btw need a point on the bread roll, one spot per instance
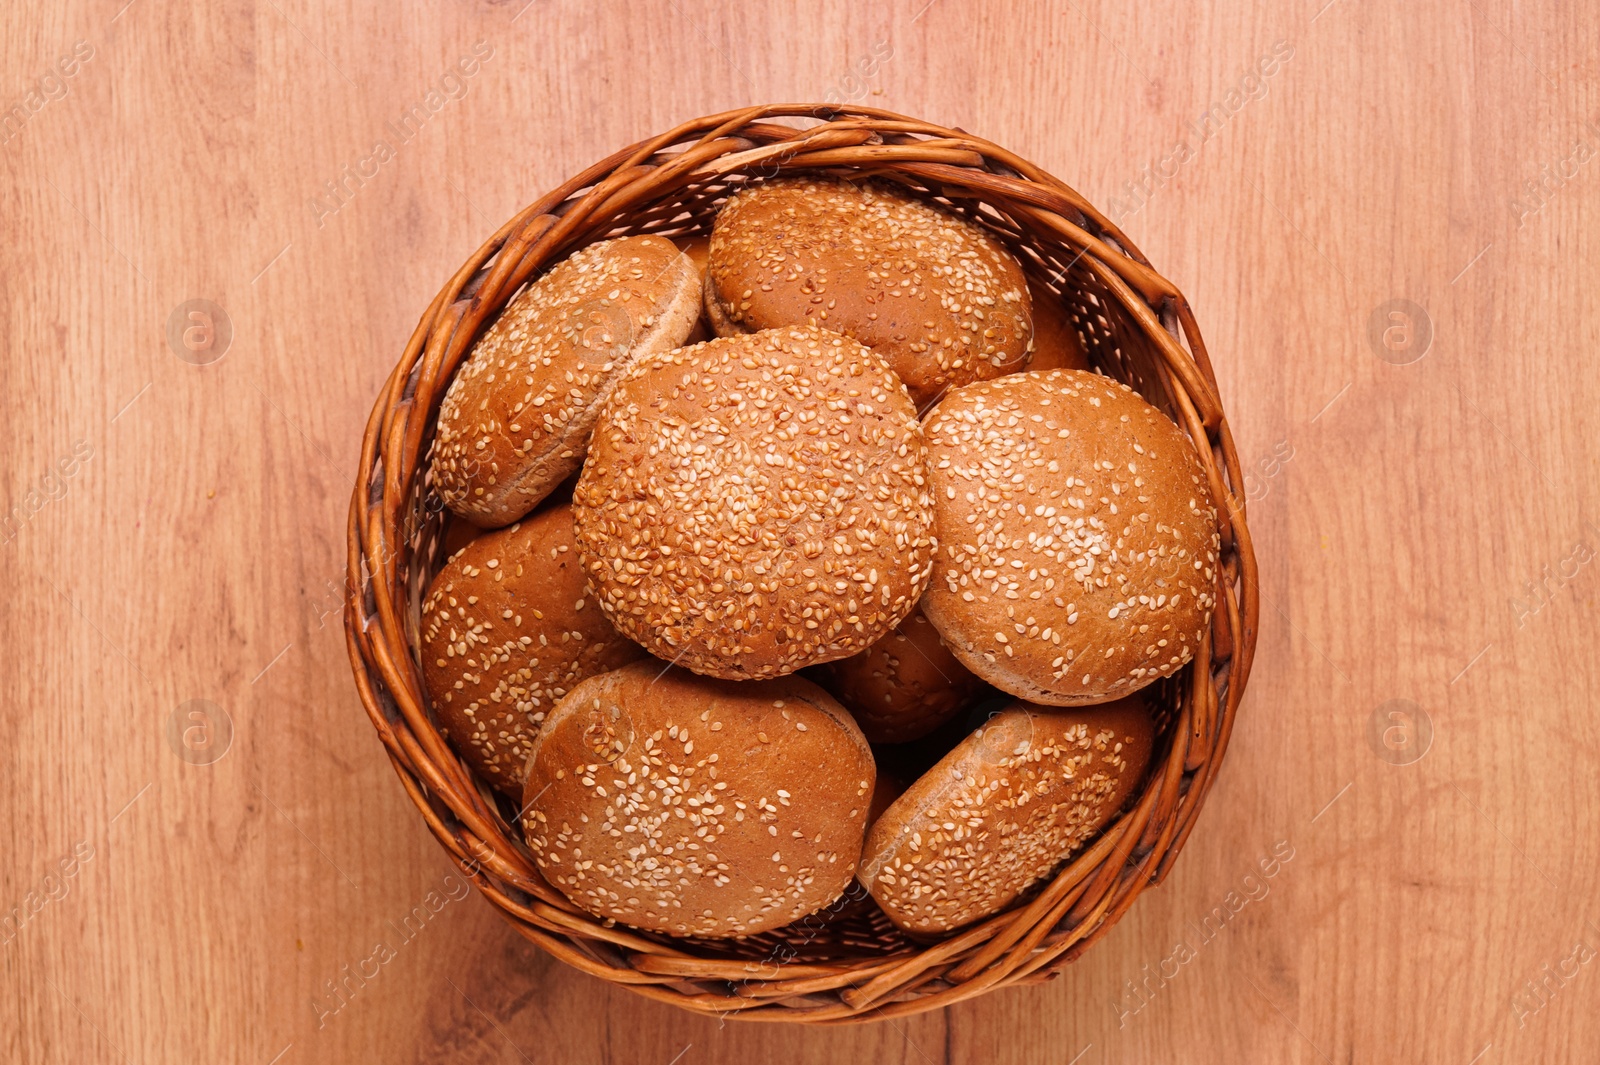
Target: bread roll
(938, 296)
(516, 419)
(904, 686)
(911, 759)
(698, 807)
(1077, 555)
(458, 534)
(507, 630)
(1056, 343)
(885, 791)
(1003, 811)
(697, 249)
(756, 504)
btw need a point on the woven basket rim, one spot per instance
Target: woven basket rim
(1137, 325)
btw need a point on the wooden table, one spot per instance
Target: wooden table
(1378, 211)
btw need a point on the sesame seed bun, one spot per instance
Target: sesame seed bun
(1056, 343)
(1077, 537)
(1003, 811)
(756, 504)
(516, 419)
(885, 791)
(458, 534)
(698, 807)
(507, 630)
(910, 760)
(938, 296)
(904, 686)
(697, 249)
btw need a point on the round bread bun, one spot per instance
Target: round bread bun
(887, 789)
(1056, 343)
(756, 504)
(910, 760)
(1003, 811)
(937, 296)
(698, 807)
(458, 533)
(507, 630)
(1077, 555)
(697, 248)
(517, 417)
(904, 686)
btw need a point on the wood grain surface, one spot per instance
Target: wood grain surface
(1382, 213)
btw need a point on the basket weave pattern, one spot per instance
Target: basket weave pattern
(847, 963)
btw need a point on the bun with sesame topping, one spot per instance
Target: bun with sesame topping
(1056, 343)
(1003, 811)
(904, 686)
(1077, 537)
(507, 630)
(885, 791)
(517, 417)
(937, 296)
(756, 504)
(697, 248)
(697, 807)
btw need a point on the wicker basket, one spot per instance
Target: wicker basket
(847, 963)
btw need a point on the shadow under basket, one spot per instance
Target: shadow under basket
(847, 963)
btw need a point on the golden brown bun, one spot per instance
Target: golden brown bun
(698, 807)
(713, 315)
(458, 533)
(1056, 343)
(904, 686)
(1077, 537)
(507, 630)
(1003, 811)
(887, 789)
(697, 249)
(937, 296)
(517, 417)
(910, 760)
(756, 504)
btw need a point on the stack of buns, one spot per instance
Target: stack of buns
(844, 480)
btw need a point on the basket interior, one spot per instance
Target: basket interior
(1115, 346)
